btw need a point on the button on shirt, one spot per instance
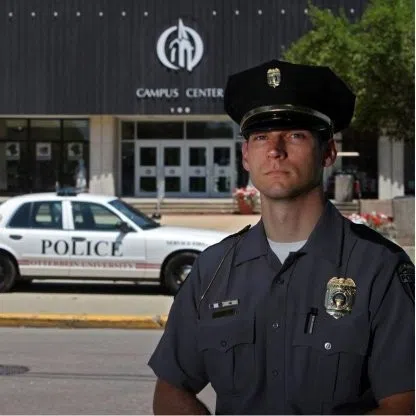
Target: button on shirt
(260, 359)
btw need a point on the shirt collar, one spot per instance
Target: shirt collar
(253, 245)
(325, 241)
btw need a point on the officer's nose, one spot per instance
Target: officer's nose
(277, 148)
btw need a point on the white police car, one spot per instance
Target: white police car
(84, 236)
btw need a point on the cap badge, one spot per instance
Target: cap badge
(273, 77)
(340, 296)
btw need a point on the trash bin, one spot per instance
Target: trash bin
(344, 187)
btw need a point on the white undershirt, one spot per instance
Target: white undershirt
(282, 250)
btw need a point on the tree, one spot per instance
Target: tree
(374, 55)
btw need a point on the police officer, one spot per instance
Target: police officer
(306, 312)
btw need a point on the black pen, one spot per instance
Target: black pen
(310, 320)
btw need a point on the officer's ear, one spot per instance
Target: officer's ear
(329, 153)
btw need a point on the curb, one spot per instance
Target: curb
(63, 320)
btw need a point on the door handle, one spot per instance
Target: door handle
(78, 238)
(15, 236)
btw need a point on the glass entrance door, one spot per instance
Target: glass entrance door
(222, 176)
(146, 171)
(209, 168)
(172, 164)
(196, 168)
(159, 164)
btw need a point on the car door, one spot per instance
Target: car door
(99, 248)
(37, 234)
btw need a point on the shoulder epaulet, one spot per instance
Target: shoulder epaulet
(406, 273)
(238, 233)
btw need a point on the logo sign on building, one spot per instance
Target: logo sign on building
(180, 47)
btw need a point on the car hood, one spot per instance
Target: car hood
(186, 235)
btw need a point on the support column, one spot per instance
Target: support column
(102, 155)
(329, 171)
(384, 167)
(390, 167)
(397, 186)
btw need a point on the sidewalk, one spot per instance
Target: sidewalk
(121, 307)
(222, 222)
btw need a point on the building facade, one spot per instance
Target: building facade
(132, 90)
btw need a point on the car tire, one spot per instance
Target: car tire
(8, 273)
(177, 269)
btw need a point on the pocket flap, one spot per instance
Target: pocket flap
(225, 333)
(332, 343)
(336, 336)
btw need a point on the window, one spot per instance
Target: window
(160, 130)
(76, 130)
(133, 214)
(127, 168)
(94, 217)
(13, 129)
(20, 218)
(127, 130)
(209, 130)
(46, 215)
(45, 129)
(38, 154)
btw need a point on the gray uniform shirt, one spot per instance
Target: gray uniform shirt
(262, 359)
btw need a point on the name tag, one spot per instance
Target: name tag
(224, 304)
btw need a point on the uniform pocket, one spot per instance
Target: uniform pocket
(328, 364)
(228, 348)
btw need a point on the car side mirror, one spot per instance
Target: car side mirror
(156, 216)
(124, 227)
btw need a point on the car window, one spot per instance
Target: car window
(133, 214)
(20, 218)
(94, 217)
(47, 215)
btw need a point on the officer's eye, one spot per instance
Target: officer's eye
(296, 135)
(259, 137)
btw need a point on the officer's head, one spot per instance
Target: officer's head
(279, 94)
(277, 97)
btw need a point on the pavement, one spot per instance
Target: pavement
(113, 307)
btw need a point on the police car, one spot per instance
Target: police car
(69, 235)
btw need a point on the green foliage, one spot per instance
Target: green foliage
(374, 55)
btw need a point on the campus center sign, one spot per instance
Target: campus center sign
(180, 47)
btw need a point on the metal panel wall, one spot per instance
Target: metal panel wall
(90, 56)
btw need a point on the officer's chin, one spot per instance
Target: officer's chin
(285, 194)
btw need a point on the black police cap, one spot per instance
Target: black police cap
(280, 94)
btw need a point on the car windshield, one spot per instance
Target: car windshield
(133, 214)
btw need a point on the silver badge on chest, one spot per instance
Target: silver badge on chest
(340, 296)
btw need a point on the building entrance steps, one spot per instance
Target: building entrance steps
(210, 205)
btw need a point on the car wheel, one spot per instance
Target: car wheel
(177, 269)
(8, 273)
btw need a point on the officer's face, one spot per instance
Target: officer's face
(284, 164)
